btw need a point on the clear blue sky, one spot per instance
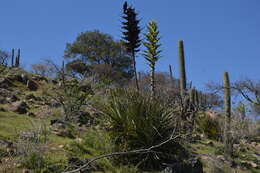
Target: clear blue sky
(219, 35)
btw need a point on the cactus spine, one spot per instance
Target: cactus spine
(182, 69)
(227, 105)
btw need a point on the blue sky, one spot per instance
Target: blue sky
(218, 35)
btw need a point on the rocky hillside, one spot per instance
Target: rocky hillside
(34, 137)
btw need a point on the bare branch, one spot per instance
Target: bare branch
(139, 151)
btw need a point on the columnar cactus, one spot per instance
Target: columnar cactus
(12, 63)
(182, 69)
(17, 59)
(227, 105)
(171, 75)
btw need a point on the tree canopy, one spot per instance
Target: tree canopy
(94, 49)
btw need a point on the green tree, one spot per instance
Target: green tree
(152, 54)
(131, 35)
(93, 48)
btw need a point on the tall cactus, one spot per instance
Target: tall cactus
(182, 69)
(227, 105)
(12, 62)
(171, 75)
(18, 57)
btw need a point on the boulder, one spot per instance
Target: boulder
(18, 107)
(5, 93)
(193, 165)
(30, 114)
(39, 78)
(4, 83)
(210, 143)
(2, 100)
(12, 98)
(5, 143)
(31, 85)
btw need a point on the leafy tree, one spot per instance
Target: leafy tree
(131, 34)
(152, 54)
(93, 48)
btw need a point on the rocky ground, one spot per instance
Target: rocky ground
(24, 111)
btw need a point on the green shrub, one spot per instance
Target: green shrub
(96, 143)
(134, 121)
(209, 126)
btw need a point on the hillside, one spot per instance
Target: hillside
(35, 138)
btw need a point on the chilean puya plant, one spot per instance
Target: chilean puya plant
(182, 69)
(131, 35)
(152, 54)
(227, 105)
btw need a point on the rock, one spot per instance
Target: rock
(75, 161)
(59, 128)
(85, 88)
(193, 165)
(221, 157)
(30, 114)
(5, 143)
(5, 93)
(5, 83)
(3, 100)
(62, 133)
(26, 171)
(2, 109)
(30, 96)
(210, 143)
(61, 146)
(79, 140)
(196, 137)
(31, 85)
(43, 112)
(249, 164)
(58, 123)
(13, 98)
(27, 135)
(24, 78)
(18, 107)
(39, 78)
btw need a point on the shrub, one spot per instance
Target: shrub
(209, 126)
(96, 143)
(134, 121)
